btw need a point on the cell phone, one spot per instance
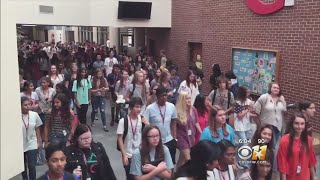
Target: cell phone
(155, 163)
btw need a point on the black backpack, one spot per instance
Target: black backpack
(214, 97)
(125, 131)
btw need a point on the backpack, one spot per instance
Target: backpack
(133, 88)
(214, 97)
(125, 131)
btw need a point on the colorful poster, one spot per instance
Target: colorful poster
(255, 69)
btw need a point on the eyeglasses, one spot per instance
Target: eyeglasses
(154, 137)
(85, 139)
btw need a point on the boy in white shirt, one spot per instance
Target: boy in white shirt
(130, 133)
(109, 62)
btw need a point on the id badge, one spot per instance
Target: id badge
(189, 132)
(298, 169)
(64, 132)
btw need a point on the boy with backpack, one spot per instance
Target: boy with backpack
(224, 98)
(130, 133)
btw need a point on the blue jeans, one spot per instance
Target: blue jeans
(98, 102)
(244, 134)
(276, 138)
(30, 160)
(59, 139)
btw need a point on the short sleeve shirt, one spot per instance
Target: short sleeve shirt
(207, 135)
(82, 91)
(34, 97)
(122, 91)
(45, 100)
(221, 99)
(132, 140)
(154, 114)
(136, 165)
(29, 136)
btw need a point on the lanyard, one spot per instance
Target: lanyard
(135, 129)
(222, 176)
(163, 116)
(26, 125)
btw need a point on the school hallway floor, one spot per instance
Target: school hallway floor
(108, 139)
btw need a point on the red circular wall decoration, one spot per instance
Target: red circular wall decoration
(265, 8)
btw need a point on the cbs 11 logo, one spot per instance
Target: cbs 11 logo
(255, 153)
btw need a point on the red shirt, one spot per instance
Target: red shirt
(203, 122)
(288, 165)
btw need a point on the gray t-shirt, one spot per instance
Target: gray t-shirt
(122, 91)
(98, 64)
(137, 92)
(136, 165)
(221, 99)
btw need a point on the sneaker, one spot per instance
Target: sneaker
(105, 129)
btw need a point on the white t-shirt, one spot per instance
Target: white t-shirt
(108, 63)
(130, 143)
(57, 80)
(45, 100)
(29, 136)
(33, 98)
(244, 123)
(209, 177)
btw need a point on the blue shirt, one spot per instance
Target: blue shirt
(207, 135)
(154, 116)
(136, 166)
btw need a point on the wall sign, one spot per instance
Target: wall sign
(259, 7)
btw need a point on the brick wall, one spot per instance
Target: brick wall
(221, 25)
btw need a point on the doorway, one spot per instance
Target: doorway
(195, 50)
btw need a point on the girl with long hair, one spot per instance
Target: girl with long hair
(226, 169)
(31, 137)
(263, 136)
(121, 89)
(72, 76)
(27, 91)
(204, 158)
(260, 171)
(88, 159)
(187, 125)
(156, 79)
(153, 160)
(164, 81)
(202, 105)
(81, 89)
(190, 85)
(138, 88)
(242, 110)
(61, 88)
(296, 158)
(54, 76)
(271, 107)
(98, 93)
(308, 109)
(218, 128)
(45, 94)
(59, 124)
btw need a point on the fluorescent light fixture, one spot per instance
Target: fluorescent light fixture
(28, 25)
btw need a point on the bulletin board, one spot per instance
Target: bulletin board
(255, 68)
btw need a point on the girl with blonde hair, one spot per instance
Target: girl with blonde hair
(187, 125)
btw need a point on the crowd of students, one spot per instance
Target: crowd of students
(157, 112)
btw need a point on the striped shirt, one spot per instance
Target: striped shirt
(57, 125)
